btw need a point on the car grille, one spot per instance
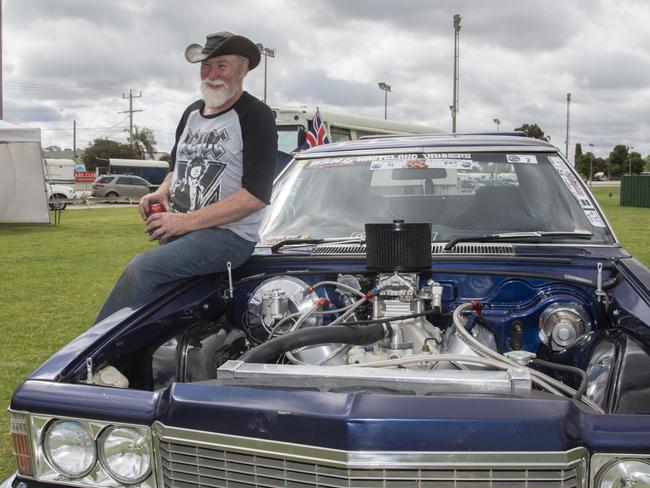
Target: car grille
(462, 248)
(189, 464)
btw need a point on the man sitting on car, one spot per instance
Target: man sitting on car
(233, 135)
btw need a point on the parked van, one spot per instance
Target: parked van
(59, 171)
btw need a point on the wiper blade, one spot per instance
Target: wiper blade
(507, 236)
(288, 242)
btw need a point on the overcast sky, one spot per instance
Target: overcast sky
(66, 60)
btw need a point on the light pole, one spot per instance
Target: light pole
(629, 155)
(385, 88)
(454, 107)
(266, 52)
(568, 102)
(591, 164)
(497, 122)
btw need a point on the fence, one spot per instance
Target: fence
(635, 191)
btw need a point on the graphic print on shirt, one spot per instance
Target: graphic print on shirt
(199, 169)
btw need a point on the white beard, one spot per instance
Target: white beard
(216, 98)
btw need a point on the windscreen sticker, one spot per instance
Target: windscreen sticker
(420, 161)
(521, 158)
(594, 218)
(576, 189)
(329, 162)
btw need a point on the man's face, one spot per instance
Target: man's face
(221, 79)
(195, 172)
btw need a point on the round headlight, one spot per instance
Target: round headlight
(125, 454)
(70, 448)
(624, 473)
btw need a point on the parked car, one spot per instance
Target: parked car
(388, 331)
(124, 186)
(59, 195)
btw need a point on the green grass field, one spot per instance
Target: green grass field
(53, 280)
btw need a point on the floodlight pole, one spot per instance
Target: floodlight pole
(629, 158)
(497, 122)
(266, 52)
(568, 102)
(454, 107)
(385, 88)
(591, 164)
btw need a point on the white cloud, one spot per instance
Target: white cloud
(74, 59)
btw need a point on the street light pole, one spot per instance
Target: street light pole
(266, 52)
(497, 122)
(454, 107)
(385, 88)
(568, 102)
(629, 155)
(591, 164)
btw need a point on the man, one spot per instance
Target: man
(223, 163)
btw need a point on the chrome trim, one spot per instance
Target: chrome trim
(600, 459)
(284, 452)
(45, 472)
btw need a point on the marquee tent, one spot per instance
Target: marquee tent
(23, 196)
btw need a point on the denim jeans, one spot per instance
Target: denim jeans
(197, 253)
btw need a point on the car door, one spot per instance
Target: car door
(139, 187)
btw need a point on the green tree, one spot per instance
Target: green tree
(165, 157)
(578, 153)
(103, 149)
(534, 131)
(144, 141)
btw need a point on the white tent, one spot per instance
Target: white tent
(23, 196)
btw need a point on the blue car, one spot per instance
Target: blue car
(396, 327)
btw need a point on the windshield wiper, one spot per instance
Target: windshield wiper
(507, 236)
(288, 242)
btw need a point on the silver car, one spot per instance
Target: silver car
(120, 186)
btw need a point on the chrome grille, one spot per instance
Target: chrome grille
(461, 248)
(194, 463)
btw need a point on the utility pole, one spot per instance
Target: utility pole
(130, 112)
(74, 141)
(454, 107)
(566, 149)
(385, 88)
(497, 122)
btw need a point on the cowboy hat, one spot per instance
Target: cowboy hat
(224, 43)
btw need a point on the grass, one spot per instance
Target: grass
(53, 279)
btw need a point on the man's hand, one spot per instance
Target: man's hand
(150, 198)
(164, 225)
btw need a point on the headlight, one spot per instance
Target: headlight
(70, 448)
(624, 473)
(125, 454)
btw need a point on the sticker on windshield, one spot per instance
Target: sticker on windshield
(521, 158)
(420, 161)
(577, 191)
(594, 218)
(329, 162)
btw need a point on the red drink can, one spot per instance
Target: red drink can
(156, 208)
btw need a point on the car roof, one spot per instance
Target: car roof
(427, 142)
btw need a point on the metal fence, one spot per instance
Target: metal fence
(635, 191)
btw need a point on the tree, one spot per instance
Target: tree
(106, 148)
(533, 130)
(578, 153)
(144, 141)
(165, 157)
(618, 160)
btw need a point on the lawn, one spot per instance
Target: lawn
(55, 278)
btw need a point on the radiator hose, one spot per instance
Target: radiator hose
(311, 336)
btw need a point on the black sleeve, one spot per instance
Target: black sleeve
(181, 127)
(260, 138)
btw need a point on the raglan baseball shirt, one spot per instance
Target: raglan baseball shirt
(215, 155)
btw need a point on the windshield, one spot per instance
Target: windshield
(458, 193)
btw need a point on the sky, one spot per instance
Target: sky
(67, 60)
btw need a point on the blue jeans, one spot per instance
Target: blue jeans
(197, 253)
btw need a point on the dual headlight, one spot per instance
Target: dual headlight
(122, 451)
